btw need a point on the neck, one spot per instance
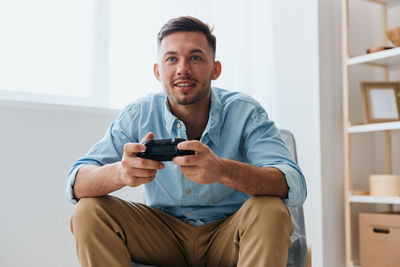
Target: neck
(194, 116)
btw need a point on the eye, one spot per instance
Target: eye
(195, 58)
(171, 59)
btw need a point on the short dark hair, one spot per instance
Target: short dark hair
(187, 24)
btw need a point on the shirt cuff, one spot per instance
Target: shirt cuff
(296, 183)
(69, 187)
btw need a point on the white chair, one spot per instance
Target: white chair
(299, 255)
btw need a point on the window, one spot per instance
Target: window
(133, 50)
(101, 52)
(46, 49)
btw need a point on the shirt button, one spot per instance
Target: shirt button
(188, 213)
(188, 191)
(178, 125)
(191, 222)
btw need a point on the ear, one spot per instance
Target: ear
(156, 72)
(216, 70)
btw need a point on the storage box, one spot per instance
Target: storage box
(379, 239)
(384, 185)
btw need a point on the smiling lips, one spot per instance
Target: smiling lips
(185, 85)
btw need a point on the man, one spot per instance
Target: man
(223, 206)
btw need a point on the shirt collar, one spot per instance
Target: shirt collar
(213, 127)
(169, 118)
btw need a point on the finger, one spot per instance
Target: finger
(145, 180)
(149, 136)
(193, 145)
(141, 163)
(132, 148)
(142, 173)
(136, 181)
(189, 160)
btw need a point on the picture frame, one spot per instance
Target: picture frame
(381, 101)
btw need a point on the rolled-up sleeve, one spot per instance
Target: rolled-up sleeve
(106, 151)
(69, 187)
(264, 147)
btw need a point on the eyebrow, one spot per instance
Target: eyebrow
(193, 51)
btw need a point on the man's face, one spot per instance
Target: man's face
(186, 67)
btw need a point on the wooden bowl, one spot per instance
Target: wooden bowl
(378, 49)
(394, 35)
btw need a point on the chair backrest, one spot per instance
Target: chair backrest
(298, 250)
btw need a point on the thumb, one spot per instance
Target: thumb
(149, 136)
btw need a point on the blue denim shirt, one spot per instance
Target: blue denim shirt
(238, 128)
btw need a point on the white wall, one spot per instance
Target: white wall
(296, 103)
(38, 145)
(332, 184)
(307, 101)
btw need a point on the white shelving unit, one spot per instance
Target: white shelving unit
(388, 57)
(375, 200)
(374, 127)
(386, 60)
(388, 3)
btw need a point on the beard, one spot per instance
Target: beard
(202, 92)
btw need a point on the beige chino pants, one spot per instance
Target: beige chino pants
(112, 232)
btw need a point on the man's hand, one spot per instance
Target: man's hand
(134, 171)
(207, 168)
(204, 167)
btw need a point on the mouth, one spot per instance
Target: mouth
(185, 85)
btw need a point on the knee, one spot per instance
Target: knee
(270, 212)
(266, 205)
(87, 213)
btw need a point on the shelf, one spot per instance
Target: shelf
(389, 3)
(374, 127)
(374, 199)
(388, 57)
(386, 61)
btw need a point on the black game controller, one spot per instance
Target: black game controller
(163, 150)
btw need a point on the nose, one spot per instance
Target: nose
(183, 68)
